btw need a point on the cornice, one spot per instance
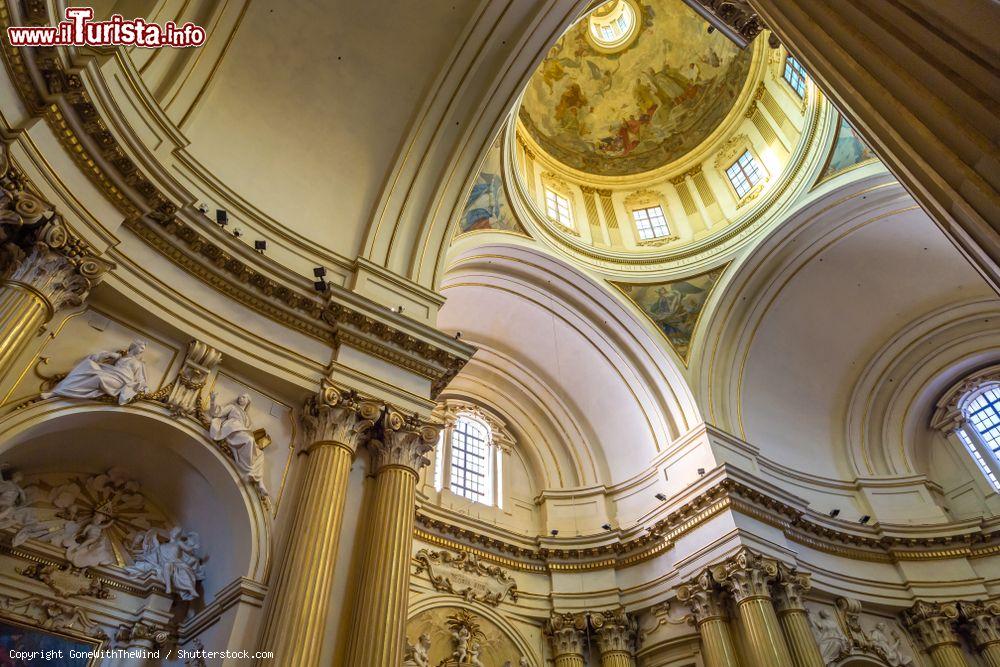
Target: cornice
(61, 98)
(970, 539)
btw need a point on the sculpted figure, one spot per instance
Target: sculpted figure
(231, 424)
(174, 563)
(120, 376)
(12, 499)
(474, 652)
(418, 655)
(523, 662)
(461, 637)
(888, 641)
(88, 545)
(832, 642)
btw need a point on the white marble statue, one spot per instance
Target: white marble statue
(88, 544)
(523, 662)
(889, 641)
(231, 424)
(832, 641)
(121, 376)
(174, 563)
(418, 655)
(12, 499)
(474, 650)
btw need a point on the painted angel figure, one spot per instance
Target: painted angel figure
(231, 424)
(174, 563)
(121, 376)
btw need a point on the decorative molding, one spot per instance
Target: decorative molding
(932, 624)
(51, 615)
(145, 634)
(337, 415)
(746, 575)
(950, 409)
(184, 396)
(67, 581)
(736, 19)
(730, 150)
(466, 575)
(402, 441)
(566, 633)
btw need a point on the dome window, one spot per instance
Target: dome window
(613, 25)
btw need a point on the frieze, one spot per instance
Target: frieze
(466, 575)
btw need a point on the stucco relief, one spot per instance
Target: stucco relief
(454, 636)
(638, 109)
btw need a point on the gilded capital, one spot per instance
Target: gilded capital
(615, 630)
(746, 575)
(788, 588)
(339, 416)
(703, 597)
(567, 633)
(981, 620)
(932, 624)
(403, 440)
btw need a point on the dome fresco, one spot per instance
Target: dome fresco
(624, 113)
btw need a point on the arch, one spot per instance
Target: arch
(58, 435)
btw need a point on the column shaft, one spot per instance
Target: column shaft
(801, 641)
(766, 643)
(569, 660)
(296, 621)
(948, 655)
(717, 643)
(991, 655)
(380, 609)
(22, 311)
(617, 659)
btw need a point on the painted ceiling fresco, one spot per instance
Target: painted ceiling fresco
(630, 112)
(848, 151)
(675, 306)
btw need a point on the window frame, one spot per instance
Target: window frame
(558, 196)
(798, 73)
(759, 169)
(498, 443)
(644, 209)
(984, 453)
(952, 418)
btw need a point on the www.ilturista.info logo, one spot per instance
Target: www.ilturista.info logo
(80, 30)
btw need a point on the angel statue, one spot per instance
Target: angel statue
(418, 655)
(474, 650)
(174, 563)
(889, 642)
(12, 498)
(121, 376)
(231, 424)
(832, 641)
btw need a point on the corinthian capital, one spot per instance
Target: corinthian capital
(703, 597)
(567, 633)
(788, 588)
(339, 416)
(404, 441)
(616, 631)
(932, 623)
(981, 620)
(746, 575)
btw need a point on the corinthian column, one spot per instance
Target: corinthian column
(42, 270)
(704, 598)
(932, 626)
(746, 576)
(334, 422)
(566, 633)
(616, 636)
(981, 620)
(397, 455)
(794, 619)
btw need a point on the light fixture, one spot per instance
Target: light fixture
(554, 532)
(864, 519)
(221, 217)
(260, 246)
(606, 526)
(237, 232)
(701, 471)
(660, 497)
(319, 284)
(834, 513)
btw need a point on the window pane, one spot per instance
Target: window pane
(470, 459)
(650, 223)
(557, 209)
(744, 174)
(978, 458)
(795, 75)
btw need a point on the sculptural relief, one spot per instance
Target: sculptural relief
(230, 424)
(119, 375)
(418, 655)
(888, 642)
(174, 563)
(833, 643)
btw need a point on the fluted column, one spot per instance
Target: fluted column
(705, 600)
(397, 455)
(567, 634)
(334, 422)
(787, 592)
(43, 269)
(746, 576)
(981, 622)
(932, 626)
(616, 637)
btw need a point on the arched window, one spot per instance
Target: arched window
(469, 459)
(971, 410)
(795, 75)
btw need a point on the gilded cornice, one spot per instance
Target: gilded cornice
(728, 494)
(61, 97)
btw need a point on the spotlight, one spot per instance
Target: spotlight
(319, 285)
(221, 217)
(660, 497)
(397, 309)
(606, 526)
(319, 272)
(260, 246)
(701, 471)
(237, 232)
(834, 513)
(864, 519)
(203, 207)
(458, 335)
(554, 532)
